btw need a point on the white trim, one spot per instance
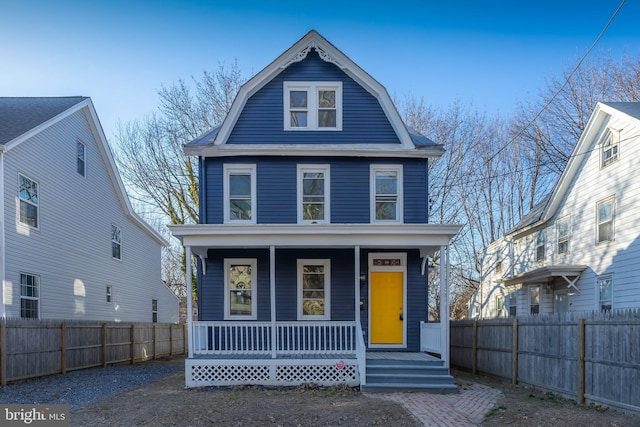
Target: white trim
(326, 263)
(253, 263)
(3, 311)
(398, 170)
(402, 268)
(325, 169)
(20, 199)
(228, 170)
(612, 200)
(608, 136)
(312, 108)
(188, 280)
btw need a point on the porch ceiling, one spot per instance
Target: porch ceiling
(544, 274)
(426, 237)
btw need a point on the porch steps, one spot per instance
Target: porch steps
(389, 375)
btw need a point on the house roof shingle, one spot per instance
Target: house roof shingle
(20, 115)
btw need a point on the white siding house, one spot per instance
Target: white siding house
(578, 250)
(71, 246)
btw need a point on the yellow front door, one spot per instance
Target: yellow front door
(386, 307)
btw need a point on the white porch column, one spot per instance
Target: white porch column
(272, 291)
(356, 262)
(444, 304)
(188, 281)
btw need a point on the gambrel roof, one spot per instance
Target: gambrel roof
(21, 118)
(412, 144)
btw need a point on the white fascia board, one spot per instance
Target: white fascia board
(313, 39)
(316, 150)
(114, 174)
(315, 235)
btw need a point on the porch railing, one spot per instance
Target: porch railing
(430, 337)
(257, 339)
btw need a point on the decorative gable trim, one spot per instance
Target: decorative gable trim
(297, 53)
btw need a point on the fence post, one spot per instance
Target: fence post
(474, 349)
(514, 379)
(104, 345)
(170, 340)
(3, 353)
(133, 343)
(155, 342)
(63, 348)
(581, 354)
(185, 335)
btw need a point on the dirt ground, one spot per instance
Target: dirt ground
(166, 403)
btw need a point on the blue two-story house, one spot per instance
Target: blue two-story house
(313, 241)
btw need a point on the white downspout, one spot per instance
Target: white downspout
(3, 309)
(188, 281)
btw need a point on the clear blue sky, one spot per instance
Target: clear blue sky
(120, 52)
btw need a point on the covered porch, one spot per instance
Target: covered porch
(325, 352)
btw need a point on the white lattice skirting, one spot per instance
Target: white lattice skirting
(272, 372)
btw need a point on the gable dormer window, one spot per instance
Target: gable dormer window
(313, 105)
(609, 150)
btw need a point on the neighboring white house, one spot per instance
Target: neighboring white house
(71, 246)
(579, 249)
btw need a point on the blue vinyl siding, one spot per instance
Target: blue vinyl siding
(350, 177)
(262, 118)
(211, 290)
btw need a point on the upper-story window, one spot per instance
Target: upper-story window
(240, 193)
(29, 204)
(313, 105)
(609, 148)
(541, 242)
(386, 197)
(116, 242)
(240, 280)
(499, 259)
(313, 194)
(563, 227)
(604, 220)
(80, 157)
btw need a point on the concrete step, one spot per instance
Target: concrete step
(408, 369)
(415, 379)
(402, 387)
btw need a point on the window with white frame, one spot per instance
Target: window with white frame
(29, 201)
(314, 289)
(116, 242)
(80, 157)
(513, 303)
(609, 148)
(499, 259)
(605, 292)
(109, 295)
(29, 296)
(240, 193)
(604, 220)
(563, 229)
(313, 105)
(313, 194)
(386, 196)
(240, 280)
(541, 242)
(534, 299)
(154, 310)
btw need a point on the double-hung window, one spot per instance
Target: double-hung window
(605, 284)
(386, 193)
(29, 296)
(314, 289)
(541, 242)
(313, 105)
(499, 259)
(154, 310)
(116, 242)
(609, 149)
(80, 157)
(240, 193)
(562, 226)
(29, 201)
(604, 220)
(313, 194)
(534, 299)
(240, 297)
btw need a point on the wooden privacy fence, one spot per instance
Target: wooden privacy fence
(32, 348)
(587, 356)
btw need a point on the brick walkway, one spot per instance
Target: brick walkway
(465, 408)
